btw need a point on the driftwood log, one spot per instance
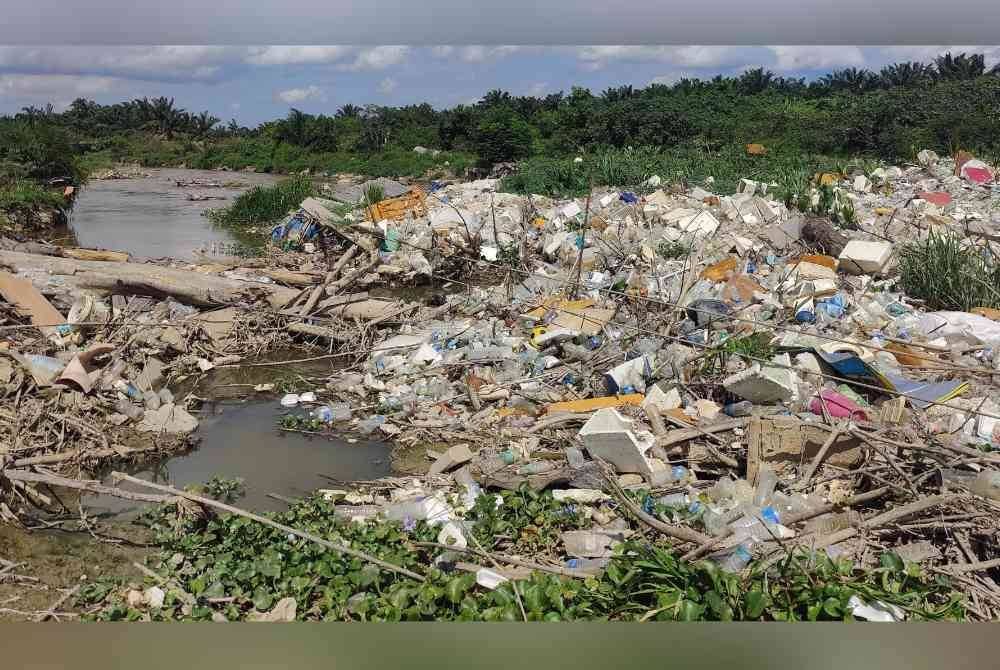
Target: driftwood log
(144, 279)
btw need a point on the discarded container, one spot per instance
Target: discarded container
(837, 405)
(737, 560)
(737, 409)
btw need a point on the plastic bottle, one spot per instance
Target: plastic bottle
(737, 560)
(736, 409)
(128, 389)
(678, 500)
(756, 527)
(766, 481)
(588, 565)
(339, 411)
(323, 413)
(369, 425)
(536, 468)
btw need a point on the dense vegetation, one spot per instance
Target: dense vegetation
(692, 129)
(232, 566)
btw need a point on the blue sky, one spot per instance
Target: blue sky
(256, 83)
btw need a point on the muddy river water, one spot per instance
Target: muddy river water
(152, 217)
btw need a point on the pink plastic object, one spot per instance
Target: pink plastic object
(939, 198)
(837, 405)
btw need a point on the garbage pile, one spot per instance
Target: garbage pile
(758, 371)
(720, 369)
(92, 347)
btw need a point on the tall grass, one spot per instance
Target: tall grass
(628, 168)
(948, 273)
(264, 204)
(25, 194)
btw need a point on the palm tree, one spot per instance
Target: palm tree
(906, 74)
(293, 128)
(615, 94)
(168, 118)
(850, 79)
(203, 123)
(961, 66)
(756, 80)
(349, 111)
(494, 98)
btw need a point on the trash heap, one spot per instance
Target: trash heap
(723, 374)
(93, 348)
(757, 373)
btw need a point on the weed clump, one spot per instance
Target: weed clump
(947, 273)
(263, 204)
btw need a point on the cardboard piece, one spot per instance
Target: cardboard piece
(28, 301)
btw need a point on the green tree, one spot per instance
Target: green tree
(502, 136)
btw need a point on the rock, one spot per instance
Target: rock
(927, 157)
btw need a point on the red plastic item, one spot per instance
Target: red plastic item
(837, 405)
(939, 198)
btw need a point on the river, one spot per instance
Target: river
(152, 217)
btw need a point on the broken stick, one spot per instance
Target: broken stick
(208, 502)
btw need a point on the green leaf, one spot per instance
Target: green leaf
(892, 561)
(689, 611)
(262, 599)
(216, 590)
(455, 589)
(832, 607)
(197, 585)
(756, 601)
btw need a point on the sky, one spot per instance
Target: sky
(256, 83)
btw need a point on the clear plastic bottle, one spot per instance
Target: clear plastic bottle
(757, 527)
(587, 565)
(739, 559)
(678, 500)
(766, 481)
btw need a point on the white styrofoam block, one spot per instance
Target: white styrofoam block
(609, 436)
(861, 257)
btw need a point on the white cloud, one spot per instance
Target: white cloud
(45, 86)
(538, 89)
(296, 55)
(146, 62)
(816, 57)
(379, 58)
(296, 95)
(927, 53)
(387, 85)
(597, 57)
(476, 53)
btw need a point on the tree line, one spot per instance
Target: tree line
(954, 100)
